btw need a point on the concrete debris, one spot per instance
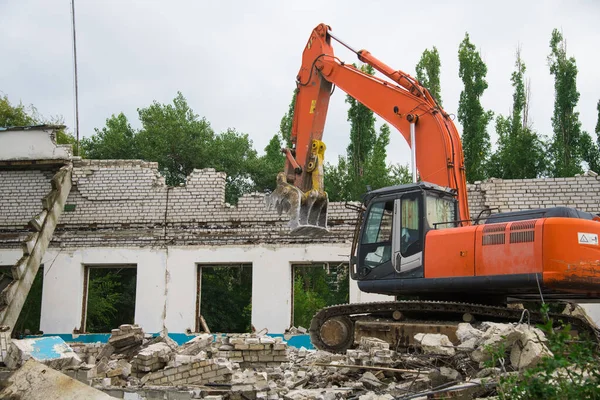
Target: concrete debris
(152, 358)
(197, 344)
(261, 367)
(529, 348)
(35, 381)
(126, 338)
(370, 381)
(435, 343)
(50, 350)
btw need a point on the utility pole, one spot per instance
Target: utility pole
(75, 77)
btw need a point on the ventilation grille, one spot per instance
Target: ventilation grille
(523, 225)
(494, 228)
(522, 237)
(496, 238)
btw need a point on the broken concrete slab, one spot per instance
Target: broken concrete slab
(529, 349)
(35, 381)
(50, 350)
(435, 343)
(370, 381)
(466, 332)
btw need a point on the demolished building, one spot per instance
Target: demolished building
(121, 214)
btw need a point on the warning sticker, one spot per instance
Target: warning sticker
(587, 238)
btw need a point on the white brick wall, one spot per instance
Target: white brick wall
(127, 203)
(20, 195)
(581, 192)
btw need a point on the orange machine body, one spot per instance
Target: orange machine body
(562, 254)
(526, 258)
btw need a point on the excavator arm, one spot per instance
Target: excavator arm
(401, 101)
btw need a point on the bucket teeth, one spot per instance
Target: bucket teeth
(307, 211)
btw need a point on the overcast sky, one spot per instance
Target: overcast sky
(236, 61)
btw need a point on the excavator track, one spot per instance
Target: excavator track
(344, 316)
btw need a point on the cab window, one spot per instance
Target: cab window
(410, 241)
(377, 235)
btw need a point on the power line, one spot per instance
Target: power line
(75, 77)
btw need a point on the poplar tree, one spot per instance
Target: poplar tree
(567, 142)
(520, 153)
(592, 155)
(428, 73)
(472, 116)
(362, 132)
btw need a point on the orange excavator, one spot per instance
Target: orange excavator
(418, 241)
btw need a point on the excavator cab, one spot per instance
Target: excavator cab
(390, 241)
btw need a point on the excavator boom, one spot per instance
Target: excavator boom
(399, 99)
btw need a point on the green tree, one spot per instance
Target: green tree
(175, 137)
(268, 165)
(29, 319)
(116, 140)
(179, 140)
(17, 115)
(362, 133)
(111, 298)
(566, 148)
(472, 116)
(591, 150)
(226, 298)
(520, 153)
(285, 126)
(232, 152)
(378, 173)
(317, 286)
(428, 73)
(598, 124)
(337, 181)
(342, 185)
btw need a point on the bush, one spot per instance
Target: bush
(572, 373)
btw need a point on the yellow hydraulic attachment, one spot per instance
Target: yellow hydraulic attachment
(307, 211)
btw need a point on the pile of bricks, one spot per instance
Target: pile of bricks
(252, 351)
(197, 373)
(152, 358)
(88, 351)
(371, 351)
(126, 337)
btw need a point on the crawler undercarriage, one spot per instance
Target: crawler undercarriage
(337, 328)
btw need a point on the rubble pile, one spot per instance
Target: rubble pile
(254, 352)
(257, 366)
(87, 351)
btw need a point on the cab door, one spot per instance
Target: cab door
(408, 236)
(374, 254)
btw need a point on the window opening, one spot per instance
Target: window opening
(224, 298)
(316, 286)
(28, 322)
(109, 297)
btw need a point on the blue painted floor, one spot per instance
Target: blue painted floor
(296, 341)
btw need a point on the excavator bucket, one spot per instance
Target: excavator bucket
(307, 211)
